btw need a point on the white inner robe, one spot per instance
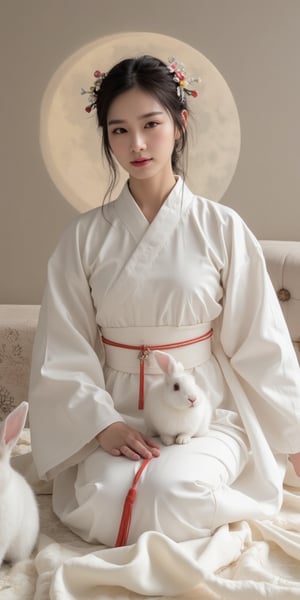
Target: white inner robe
(197, 262)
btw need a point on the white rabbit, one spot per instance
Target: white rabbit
(175, 407)
(19, 516)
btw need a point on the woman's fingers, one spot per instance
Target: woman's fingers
(155, 448)
(130, 453)
(116, 452)
(136, 451)
(119, 439)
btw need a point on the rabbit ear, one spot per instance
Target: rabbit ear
(13, 425)
(165, 362)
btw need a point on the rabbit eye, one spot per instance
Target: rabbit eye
(176, 387)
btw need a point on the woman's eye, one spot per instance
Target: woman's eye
(151, 124)
(176, 387)
(119, 130)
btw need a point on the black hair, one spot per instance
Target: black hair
(153, 76)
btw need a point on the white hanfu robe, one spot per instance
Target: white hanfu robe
(197, 262)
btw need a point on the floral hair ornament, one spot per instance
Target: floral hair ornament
(182, 81)
(179, 77)
(93, 91)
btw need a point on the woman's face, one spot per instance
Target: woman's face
(141, 134)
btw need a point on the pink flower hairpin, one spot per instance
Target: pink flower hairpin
(182, 81)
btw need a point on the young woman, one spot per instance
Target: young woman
(159, 266)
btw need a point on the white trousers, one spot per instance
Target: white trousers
(185, 493)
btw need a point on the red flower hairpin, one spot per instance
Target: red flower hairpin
(93, 91)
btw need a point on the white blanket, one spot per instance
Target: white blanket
(246, 561)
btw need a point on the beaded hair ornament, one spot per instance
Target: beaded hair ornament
(182, 81)
(175, 68)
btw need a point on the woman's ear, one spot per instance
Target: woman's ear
(184, 116)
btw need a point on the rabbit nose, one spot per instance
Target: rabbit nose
(191, 401)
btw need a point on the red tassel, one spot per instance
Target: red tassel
(126, 518)
(128, 506)
(144, 353)
(141, 393)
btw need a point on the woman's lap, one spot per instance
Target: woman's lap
(175, 495)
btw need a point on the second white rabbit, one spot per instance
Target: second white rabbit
(19, 516)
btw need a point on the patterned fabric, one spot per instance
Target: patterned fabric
(17, 329)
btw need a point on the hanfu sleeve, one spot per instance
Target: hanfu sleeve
(255, 337)
(67, 399)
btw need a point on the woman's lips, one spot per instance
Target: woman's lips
(141, 162)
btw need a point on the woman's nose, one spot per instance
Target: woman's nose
(138, 142)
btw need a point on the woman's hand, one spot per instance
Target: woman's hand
(120, 439)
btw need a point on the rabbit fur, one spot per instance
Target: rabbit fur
(19, 516)
(175, 407)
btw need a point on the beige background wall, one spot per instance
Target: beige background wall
(255, 44)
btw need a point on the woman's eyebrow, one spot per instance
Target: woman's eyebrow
(146, 116)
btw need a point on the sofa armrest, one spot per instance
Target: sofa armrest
(283, 264)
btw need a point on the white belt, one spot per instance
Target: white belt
(127, 360)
